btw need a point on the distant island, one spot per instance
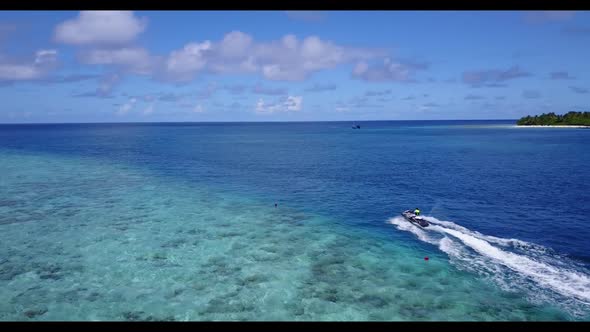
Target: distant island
(552, 119)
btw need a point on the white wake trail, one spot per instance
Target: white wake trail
(490, 255)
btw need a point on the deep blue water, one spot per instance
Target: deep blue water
(527, 184)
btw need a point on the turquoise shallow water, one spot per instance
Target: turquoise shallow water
(86, 237)
(109, 243)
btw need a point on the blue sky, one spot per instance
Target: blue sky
(110, 66)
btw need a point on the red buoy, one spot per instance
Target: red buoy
(425, 258)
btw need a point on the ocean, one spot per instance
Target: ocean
(294, 221)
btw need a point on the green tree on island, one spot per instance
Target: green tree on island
(552, 119)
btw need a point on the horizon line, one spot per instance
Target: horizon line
(300, 121)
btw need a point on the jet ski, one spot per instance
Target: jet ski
(411, 217)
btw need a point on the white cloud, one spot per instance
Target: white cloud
(128, 106)
(427, 107)
(260, 107)
(18, 72)
(283, 73)
(100, 27)
(290, 42)
(40, 66)
(183, 64)
(107, 35)
(149, 110)
(134, 59)
(493, 77)
(105, 86)
(294, 60)
(289, 104)
(235, 44)
(45, 56)
(198, 109)
(286, 59)
(360, 68)
(107, 83)
(388, 70)
(294, 103)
